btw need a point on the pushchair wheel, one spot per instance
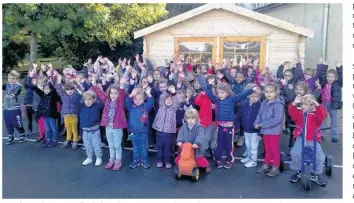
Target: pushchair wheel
(329, 165)
(195, 174)
(306, 177)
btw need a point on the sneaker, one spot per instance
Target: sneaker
(207, 154)
(241, 141)
(318, 180)
(10, 140)
(245, 160)
(295, 177)
(134, 164)
(208, 170)
(168, 166)
(66, 144)
(117, 166)
(109, 165)
(87, 162)
(250, 164)
(22, 139)
(39, 139)
(159, 165)
(263, 168)
(46, 143)
(219, 164)
(227, 165)
(146, 165)
(74, 146)
(98, 162)
(335, 139)
(245, 154)
(83, 148)
(273, 172)
(52, 144)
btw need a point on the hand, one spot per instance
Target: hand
(148, 91)
(211, 81)
(179, 144)
(285, 63)
(314, 102)
(321, 60)
(122, 81)
(59, 79)
(35, 66)
(338, 64)
(257, 89)
(93, 81)
(283, 81)
(172, 89)
(134, 92)
(257, 126)
(134, 74)
(297, 100)
(318, 85)
(43, 67)
(195, 146)
(50, 66)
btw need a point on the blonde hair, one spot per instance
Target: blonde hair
(224, 87)
(272, 86)
(140, 92)
(310, 71)
(191, 113)
(308, 99)
(303, 85)
(89, 94)
(14, 74)
(334, 72)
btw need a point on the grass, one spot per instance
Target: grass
(56, 62)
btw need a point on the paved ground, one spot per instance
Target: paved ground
(30, 171)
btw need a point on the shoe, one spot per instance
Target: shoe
(134, 164)
(159, 165)
(318, 180)
(117, 166)
(146, 165)
(227, 165)
(66, 144)
(29, 133)
(295, 177)
(208, 170)
(219, 164)
(241, 141)
(98, 162)
(52, 144)
(286, 131)
(245, 160)
(273, 172)
(168, 166)
(87, 162)
(250, 164)
(245, 154)
(74, 146)
(39, 139)
(22, 139)
(263, 168)
(109, 165)
(46, 143)
(335, 139)
(207, 154)
(83, 148)
(10, 140)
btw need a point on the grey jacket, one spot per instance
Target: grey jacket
(165, 120)
(194, 136)
(270, 117)
(11, 96)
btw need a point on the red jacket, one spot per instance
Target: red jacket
(313, 121)
(205, 112)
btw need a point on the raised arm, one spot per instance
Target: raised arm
(228, 77)
(339, 68)
(210, 94)
(100, 93)
(243, 95)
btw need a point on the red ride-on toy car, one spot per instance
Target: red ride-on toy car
(187, 164)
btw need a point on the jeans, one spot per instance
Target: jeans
(140, 152)
(333, 114)
(164, 142)
(51, 130)
(114, 138)
(252, 142)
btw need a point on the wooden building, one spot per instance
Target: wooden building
(224, 31)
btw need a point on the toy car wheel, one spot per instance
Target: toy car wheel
(329, 165)
(195, 174)
(178, 175)
(306, 177)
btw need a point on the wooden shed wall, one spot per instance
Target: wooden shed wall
(280, 44)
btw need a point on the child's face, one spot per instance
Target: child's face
(204, 70)
(189, 93)
(331, 78)
(255, 97)
(197, 85)
(181, 98)
(249, 71)
(12, 80)
(162, 87)
(219, 75)
(308, 75)
(46, 90)
(191, 121)
(299, 91)
(307, 106)
(69, 92)
(270, 94)
(156, 75)
(88, 101)
(288, 76)
(233, 72)
(138, 100)
(40, 83)
(222, 94)
(113, 94)
(239, 77)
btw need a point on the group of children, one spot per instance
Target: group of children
(167, 106)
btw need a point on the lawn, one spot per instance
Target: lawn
(56, 62)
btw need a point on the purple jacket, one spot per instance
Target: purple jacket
(270, 117)
(119, 120)
(165, 120)
(71, 103)
(312, 81)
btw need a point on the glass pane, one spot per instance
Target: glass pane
(198, 52)
(237, 52)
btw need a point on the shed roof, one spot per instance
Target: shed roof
(228, 7)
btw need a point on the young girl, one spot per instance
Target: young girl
(269, 120)
(165, 126)
(90, 117)
(315, 114)
(193, 132)
(113, 118)
(332, 82)
(225, 104)
(139, 124)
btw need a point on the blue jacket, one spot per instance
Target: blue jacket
(29, 92)
(270, 117)
(90, 116)
(237, 88)
(11, 96)
(249, 114)
(225, 109)
(138, 119)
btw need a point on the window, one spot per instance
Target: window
(238, 52)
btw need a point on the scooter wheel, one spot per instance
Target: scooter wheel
(195, 174)
(178, 175)
(306, 177)
(329, 165)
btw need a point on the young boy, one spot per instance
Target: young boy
(12, 111)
